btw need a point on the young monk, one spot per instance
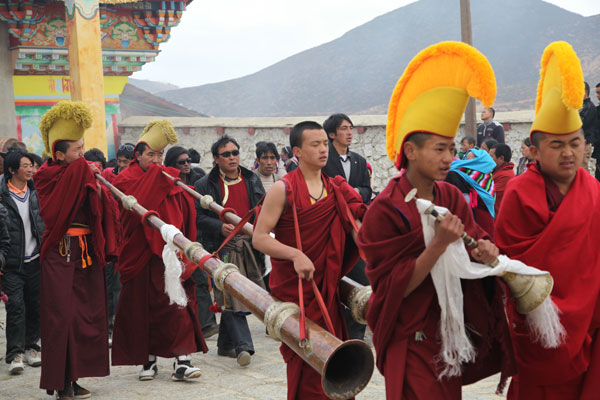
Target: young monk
(81, 220)
(550, 219)
(404, 314)
(146, 324)
(327, 254)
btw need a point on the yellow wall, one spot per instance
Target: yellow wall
(59, 85)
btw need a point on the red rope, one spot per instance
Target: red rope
(226, 210)
(236, 229)
(148, 214)
(355, 227)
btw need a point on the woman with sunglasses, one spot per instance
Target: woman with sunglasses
(180, 158)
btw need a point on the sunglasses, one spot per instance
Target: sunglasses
(127, 146)
(227, 154)
(183, 162)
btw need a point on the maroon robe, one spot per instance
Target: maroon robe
(324, 231)
(73, 315)
(145, 323)
(392, 239)
(559, 235)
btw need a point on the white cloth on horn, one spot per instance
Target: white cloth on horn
(173, 267)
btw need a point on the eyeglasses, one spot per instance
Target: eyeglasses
(227, 154)
(183, 162)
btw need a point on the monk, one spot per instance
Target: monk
(80, 237)
(146, 324)
(550, 219)
(404, 311)
(324, 226)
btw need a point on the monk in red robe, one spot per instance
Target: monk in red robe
(404, 312)
(550, 219)
(146, 324)
(327, 254)
(80, 237)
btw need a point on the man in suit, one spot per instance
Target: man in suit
(353, 167)
(342, 161)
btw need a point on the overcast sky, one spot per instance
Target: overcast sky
(226, 39)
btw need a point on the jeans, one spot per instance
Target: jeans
(234, 333)
(22, 309)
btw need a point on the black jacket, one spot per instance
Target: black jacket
(16, 253)
(359, 173)
(589, 120)
(208, 223)
(493, 130)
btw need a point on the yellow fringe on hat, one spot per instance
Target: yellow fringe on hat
(166, 128)
(68, 110)
(445, 64)
(573, 89)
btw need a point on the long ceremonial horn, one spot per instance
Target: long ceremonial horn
(529, 291)
(345, 367)
(354, 295)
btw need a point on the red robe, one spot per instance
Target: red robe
(501, 176)
(73, 315)
(324, 230)
(392, 238)
(145, 323)
(565, 243)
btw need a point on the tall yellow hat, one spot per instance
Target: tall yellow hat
(158, 134)
(67, 120)
(432, 94)
(560, 91)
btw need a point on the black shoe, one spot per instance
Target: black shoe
(80, 393)
(210, 330)
(226, 353)
(66, 393)
(183, 369)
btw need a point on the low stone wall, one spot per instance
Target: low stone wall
(369, 136)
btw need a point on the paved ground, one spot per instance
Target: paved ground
(221, 379)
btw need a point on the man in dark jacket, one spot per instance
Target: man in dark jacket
(353, 167)
(21, 279)
(341, 160)
(589, 119)
(236, 187)
(489, 128)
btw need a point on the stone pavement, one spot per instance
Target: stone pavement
(222, 378)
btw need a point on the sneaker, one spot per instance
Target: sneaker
(32, 358)
(210, 330)
(226, 353)
(183, 369)
(148, 371)
(243, 359)
(80, 393)
(16, 365)
(66, 393)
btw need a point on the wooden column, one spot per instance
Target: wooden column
(85, 63)
(467, 37)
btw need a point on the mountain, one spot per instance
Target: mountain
(357, 72)
(152, 86)
(137, 102)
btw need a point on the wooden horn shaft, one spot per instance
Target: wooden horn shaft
(322, 345)
(212, 205)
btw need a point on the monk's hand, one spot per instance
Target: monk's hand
(448, 231)
(486, 252)
(226, 229)
(94, 168)
(303, 266)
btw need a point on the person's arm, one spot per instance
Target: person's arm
(364, 183)
(262, 241)
(4, 237)
(499, 133)
(206, 221)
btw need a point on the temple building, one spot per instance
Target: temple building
(38, 68)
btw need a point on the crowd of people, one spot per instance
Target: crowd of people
(83, 273)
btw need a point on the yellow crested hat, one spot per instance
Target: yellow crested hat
(560, 91)
(158, 134)
(67, 120)
(432, 94)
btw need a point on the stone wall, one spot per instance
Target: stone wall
(369, 136)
